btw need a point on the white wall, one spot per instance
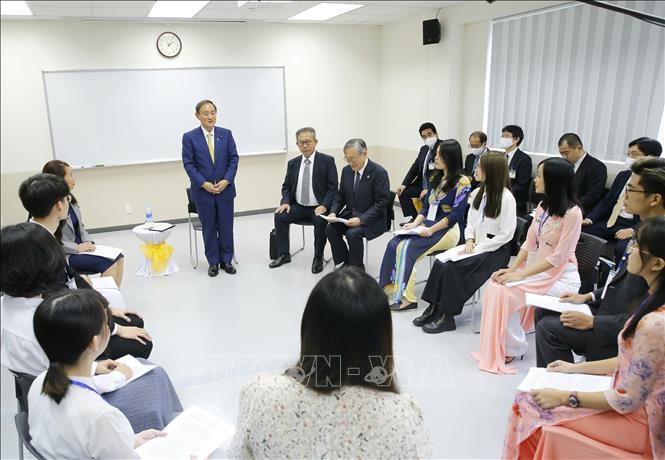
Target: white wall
(331, 84)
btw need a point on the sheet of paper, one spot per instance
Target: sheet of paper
(530, 279)
(455, 254)
(334, 219)
(552, 303)
(539, 377)
(103, 282)
(108, 252)
(412, 231)
(138, 368)
(194, 432)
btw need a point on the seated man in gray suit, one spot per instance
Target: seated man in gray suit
(307, 193)
(362, 199)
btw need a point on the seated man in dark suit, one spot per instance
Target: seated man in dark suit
(519, 165)
(307, 192)
(609, 220)
(595, 337)
(362, 199)
(478, 147)
(414, 184)
(590, 173)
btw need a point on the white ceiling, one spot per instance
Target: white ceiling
(374, 12)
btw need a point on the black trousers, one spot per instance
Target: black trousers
(299, 214)
(408, 209)
(451, 284)
(353, 255)
(119, 347)
(555, 341)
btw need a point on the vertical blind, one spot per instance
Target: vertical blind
(581, 69)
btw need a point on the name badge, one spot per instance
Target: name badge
(71, 283)
(430, 166)
(431, 214)
(512, 173)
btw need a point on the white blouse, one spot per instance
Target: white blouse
(83, 425)
(19, 349)
(281, 418)
(502, 227)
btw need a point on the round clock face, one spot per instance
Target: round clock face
(169, 44)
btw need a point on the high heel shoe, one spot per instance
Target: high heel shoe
(510, 359)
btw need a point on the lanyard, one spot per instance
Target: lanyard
(86, 386)
(624, 258)
(543, 218)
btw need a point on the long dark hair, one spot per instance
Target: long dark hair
(559, 175)
(32, 260)
(650, 237)
(58, 168)
(495, 169)
(65, 324)
(450, 153)
(346, 335)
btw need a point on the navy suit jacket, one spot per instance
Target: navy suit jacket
(603, 209)
(370, 201)
(199, 165)
(590, 180)
(521, 164)
(324, 179)
(415, 174)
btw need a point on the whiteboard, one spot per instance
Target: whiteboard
(120, 117)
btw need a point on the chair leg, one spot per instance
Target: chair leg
(302, 248)
(20, 448)
(196, 251)
(475, 299)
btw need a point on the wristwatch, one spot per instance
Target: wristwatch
(573, 401)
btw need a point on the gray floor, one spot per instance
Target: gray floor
(213, 334)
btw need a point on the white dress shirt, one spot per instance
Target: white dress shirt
(362, 171)
(579, 162)
(502, 227)
(312, 198)
(83, 425)
(20, 351)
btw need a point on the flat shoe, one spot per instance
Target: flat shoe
(398, 307)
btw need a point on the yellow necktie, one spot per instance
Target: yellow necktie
(211, 148)
(616, 210)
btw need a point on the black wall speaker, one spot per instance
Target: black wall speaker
(431, 31)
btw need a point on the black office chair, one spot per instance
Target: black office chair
(22, 384)
(195, 226)
(24, 439)
(587, 252)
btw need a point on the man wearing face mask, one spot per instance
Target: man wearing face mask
(609, 220)
(415, 182)
(519, 165)
(477, 148)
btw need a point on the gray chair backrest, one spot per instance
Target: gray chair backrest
(22, 384)
(21, 420)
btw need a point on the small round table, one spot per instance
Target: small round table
(156, 252)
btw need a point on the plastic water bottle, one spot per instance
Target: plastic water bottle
(148, 216)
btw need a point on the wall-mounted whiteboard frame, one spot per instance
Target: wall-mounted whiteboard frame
(115, 117)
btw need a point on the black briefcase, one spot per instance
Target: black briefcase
(273, 245)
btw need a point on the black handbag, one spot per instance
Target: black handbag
(273, 245)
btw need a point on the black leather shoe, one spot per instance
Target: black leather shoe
(398, 306)
(317, 265)
(279, 261)
(213, 270)
(228, 268)
(426, 317)
(443, 324)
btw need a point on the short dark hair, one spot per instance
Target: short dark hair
(648, 146)
(204, 102)
(514, 131)
(559, 175)
(39, 193)
(33, 262)
(427, 125)
(346, 325)
(450, 152)
(652, 175)
(480, 135)
(572, 139)
(64, 325)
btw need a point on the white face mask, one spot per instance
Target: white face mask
(629, 162)
(430, 141)
(477, 151)
(505, 142)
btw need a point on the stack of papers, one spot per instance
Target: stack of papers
(138, 368)
(412, 231)
(549, 302)
(455, 254)
(108, 252)
(334, 220)
(194, 432)
(539, 377)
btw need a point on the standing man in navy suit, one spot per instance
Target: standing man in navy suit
(211, 161)
(362, 199)
(307, 193)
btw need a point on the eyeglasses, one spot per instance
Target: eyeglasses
(630, 189)
(350, 159)
(306, 142)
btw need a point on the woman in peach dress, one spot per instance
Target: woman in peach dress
(625, 421)
(546, 260)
